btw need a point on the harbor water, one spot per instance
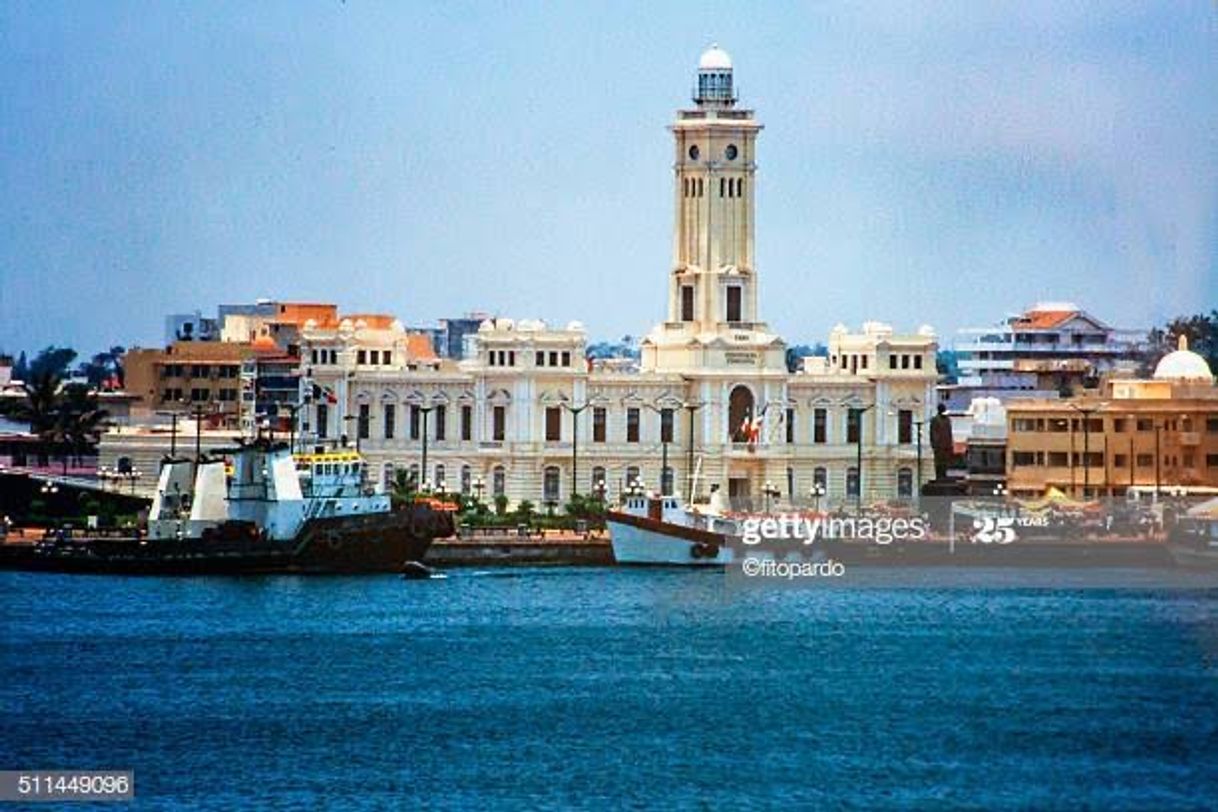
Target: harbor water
(592, 688)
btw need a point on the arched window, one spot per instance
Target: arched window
(722, 186)
(740, 187)
(499, 481)
(632, 475)
(387, 476)
(599, 481)
(467, 480)
(740, 413)
(412, 478)
(852, 481)
(440, 481)
(905, 483)
(820, 476)
(550, 484)
(666, 481)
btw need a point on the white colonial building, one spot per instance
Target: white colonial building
(526, 415)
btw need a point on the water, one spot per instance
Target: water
(593, 688)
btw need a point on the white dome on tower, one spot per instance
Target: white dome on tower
(715, 58)
(1183, 365)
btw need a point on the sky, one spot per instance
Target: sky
(942, 163)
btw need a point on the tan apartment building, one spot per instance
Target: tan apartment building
(1160, 433)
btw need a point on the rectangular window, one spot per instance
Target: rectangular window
(917, 362)
(365, 414)
(553, 424)
(733, 303)
(598, 424)
(790, 425)
(390, 417)
(892, 362)
(467, 423)
(666, 426)
(904, 427)
(632, 425)
(1059, 459)
(323, 420)
(820, 424)
(1211, 460)
(1118, 424)
(539, 359)
(361, 357)
(1146, 460)
(441, 415)
(415, 420)
(854, 422)
(1023, 458)
(499, 423)
(1211, 424)
(198, 395)
(687, 303)
(1145, 424)
(566, 359)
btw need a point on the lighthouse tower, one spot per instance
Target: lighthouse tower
(712, 300)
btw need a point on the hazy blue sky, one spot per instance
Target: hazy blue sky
(938, 162)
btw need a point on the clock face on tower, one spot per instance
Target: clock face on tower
(693, 152)
(730, 152)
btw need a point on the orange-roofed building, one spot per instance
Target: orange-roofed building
(1052, 346)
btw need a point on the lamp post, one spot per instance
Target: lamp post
(575, 412)
(173, 431)
(918, 470)
(858, 437)
(479, 487)
(770, 492)
(197, 413)
(348, 418)
(665, 481)
(1158, 476)
(599, 487)
(424, 410)
(1086, 413)
(689, 464)
(817, 491)
(1132, 431)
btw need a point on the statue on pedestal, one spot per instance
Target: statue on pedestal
(941, 442)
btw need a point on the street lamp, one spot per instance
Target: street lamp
(347, 418)
(770, 492)
(817, 491)
(663, 411)
(858, 413)
(918, 424)
(689, 464)
(575, 412)
(1086, 413)
(599, 487)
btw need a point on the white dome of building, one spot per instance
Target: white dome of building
(486, 326)
(575, 326)
(715, 58)
(1183, 365)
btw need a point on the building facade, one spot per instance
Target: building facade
(1159, 433)
(525, 414)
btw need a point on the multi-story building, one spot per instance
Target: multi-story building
(711, 402)
(1052, 346)
(1157, 433)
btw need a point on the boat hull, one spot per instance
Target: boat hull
(640, 541)
(384, 542)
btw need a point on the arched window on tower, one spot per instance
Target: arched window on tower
(722, 186)
(740, 187)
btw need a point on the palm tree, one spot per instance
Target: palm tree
(64, 417)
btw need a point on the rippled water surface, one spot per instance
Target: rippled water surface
(593, 688)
